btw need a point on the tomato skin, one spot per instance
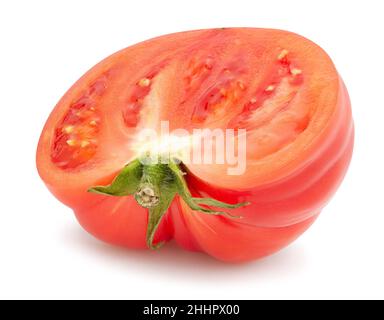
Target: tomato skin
(239, 242)
(284, 202)
(119, 221)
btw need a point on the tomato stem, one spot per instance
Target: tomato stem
(146, 196)
(154, 187)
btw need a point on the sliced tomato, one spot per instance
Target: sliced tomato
(282, 88)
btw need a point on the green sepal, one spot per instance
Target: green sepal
(125, 183)
(155, 215)
(193, 203)
(216, 203)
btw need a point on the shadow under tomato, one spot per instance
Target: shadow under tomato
(173, 261)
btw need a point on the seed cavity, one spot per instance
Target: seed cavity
(228, 88)
(198, 70)
(76, 136)
(280, 86)
(131, 112)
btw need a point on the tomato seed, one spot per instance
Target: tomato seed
(71, 142)
(144, 82)
(68, 129)
(295, 71)
(282, 55)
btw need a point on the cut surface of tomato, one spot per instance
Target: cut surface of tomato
(278, 87)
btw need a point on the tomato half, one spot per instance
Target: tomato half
(282, 88)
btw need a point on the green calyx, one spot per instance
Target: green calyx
(154, 187)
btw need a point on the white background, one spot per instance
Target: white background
(46, 45)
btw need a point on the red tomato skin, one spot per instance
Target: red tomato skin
(119, 221)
